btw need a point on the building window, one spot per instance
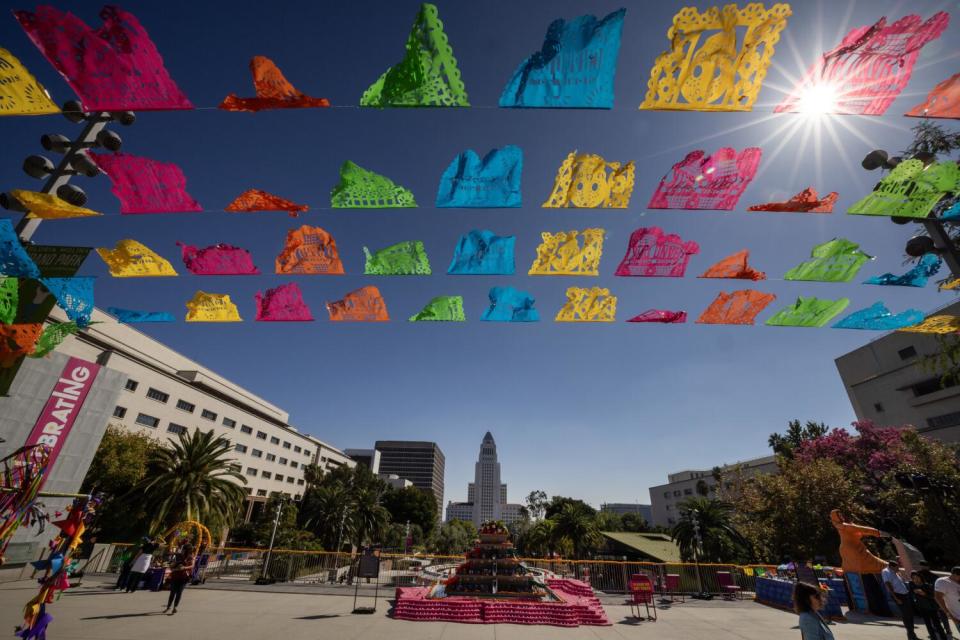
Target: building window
(256, 453)
(265, 474)
(183, 405)
(173, 427)
(236, 467)
(878, 407)
(119, 412)
(668, 507)
(946, 420)
(688, 492)
(271, 457)
(131, 385)
(292, 463)
(159, 396)
(207, 414)
(306, 453)
(261, 435)
(932, 385)
(286, 445)
(907, 353)
(300, 481)
(274, 440)
(296, 497)
(283, 461)
(290, 479)
(261, 492)
(229, 424)
(147, 421)
(245, 429)
(240, 448)
(279, 477)
(251, 471)
(297, 449)
(666, 494)
(676, 493)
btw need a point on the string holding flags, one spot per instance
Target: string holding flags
(943, 101)
(807, 201)
(20, 93)
(146, 186)
(661, 316)
(114, 68)
(713, 182)
(575, 68)
(259, 200)
(273, 90)
(48, 206)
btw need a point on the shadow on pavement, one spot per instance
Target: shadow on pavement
(126, 615)
(320, 616)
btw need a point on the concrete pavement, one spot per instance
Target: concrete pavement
(93, 612)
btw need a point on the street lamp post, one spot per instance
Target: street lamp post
(273, 535)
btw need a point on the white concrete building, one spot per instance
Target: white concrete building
(167, 393)
(666, 498)
(888, 384)
(486, 495)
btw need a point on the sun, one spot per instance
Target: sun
(817, 100)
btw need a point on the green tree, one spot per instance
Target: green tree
(413, 505)
(193, 479)
(345, 507)
(118, 465)
(537, 504)
(784, 444)
(607, 521)
(540, 539)
(557, 503)
(719, 539)
(453, 538)
(577, 523)
(634, 522)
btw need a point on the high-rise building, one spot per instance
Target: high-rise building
(486, 495)
(645, 511)
(888, 383)
(369, 458)
(421, 463)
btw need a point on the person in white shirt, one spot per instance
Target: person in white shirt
(898, 589)
(141, 565)
(947, 593)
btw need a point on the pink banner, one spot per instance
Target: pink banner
(61, 411)
(114, 68)
(146, 186)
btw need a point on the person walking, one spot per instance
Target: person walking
(901, 595)
(926, 606)
(126, 564)
(141, 565)
(180, 574)
(808, 600)
(931, 578)
(947, 593)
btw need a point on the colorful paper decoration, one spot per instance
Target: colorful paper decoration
(130, 259)
(928, 266)
(257, 200)
(867, 70)
(949, 286)
(441, 309)
(309, 251)
(953, 213)
(588, 305)
(942, 102)
(652, 253)
(9, 299)
(23, 473)
(713, 182)
(51, 338)
(362, 189)
(407, 258)
(491, 183)
(877, 317)
(736, 307)
(940, 324)
(483, 253)
(734, 267)
(588, 181)
(560, 254)
(510, 305)
(114, 68)
(48, 206)
(14, 260)
(427, 76)
(130, 316)
(274, 91)
(212, 307)
(282, 304)
(837, 260)
(17, 340)
(807, 201)
(911, 190)
(661, 316)
(74, 296)
(146, 186)
(704, 70)
(20, 93)
(217, 260)
(363, 305)
(575, 68)
(808, 312)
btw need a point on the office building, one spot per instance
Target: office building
(369, 458)
(888, 383)
(422, 463)
(665, 499)
(645, 511)
(486, 495)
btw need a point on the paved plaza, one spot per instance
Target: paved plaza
(93, 612)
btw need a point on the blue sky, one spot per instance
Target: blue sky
(597, 411)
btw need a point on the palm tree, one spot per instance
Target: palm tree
(368, 519)
(578, 525)
(539, 539)
(719, 540)
(192, 480)
(328, 507)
